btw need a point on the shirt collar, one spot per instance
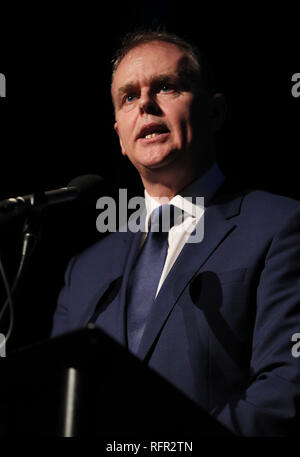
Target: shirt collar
(193, 198)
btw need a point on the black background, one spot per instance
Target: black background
(57, 120)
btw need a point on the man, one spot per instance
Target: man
(223, 311)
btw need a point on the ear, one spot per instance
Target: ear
(117, 130)
(218, 110)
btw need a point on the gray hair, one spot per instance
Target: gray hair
(199, 68)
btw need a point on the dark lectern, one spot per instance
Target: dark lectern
(86, 384)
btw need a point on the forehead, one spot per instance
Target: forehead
(146, 60)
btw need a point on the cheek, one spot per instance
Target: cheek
(126, 125)
(179, 115)
(182, 128)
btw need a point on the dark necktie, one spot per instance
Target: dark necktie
(145, 276)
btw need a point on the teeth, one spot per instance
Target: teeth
(151, 135)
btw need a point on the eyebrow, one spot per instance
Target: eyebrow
(155, 80)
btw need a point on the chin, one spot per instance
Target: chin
(159, 160)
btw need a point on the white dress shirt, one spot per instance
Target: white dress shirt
(205, 186)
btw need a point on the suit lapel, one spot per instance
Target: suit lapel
(135, 240)
(112, 318)
(217, 227)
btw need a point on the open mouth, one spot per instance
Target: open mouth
(154, 130)
(152, 135)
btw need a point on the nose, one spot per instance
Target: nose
(148, 104)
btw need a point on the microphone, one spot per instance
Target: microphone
(24, 205)
(13, 209)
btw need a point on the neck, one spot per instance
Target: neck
(160, 183)
(166, 188)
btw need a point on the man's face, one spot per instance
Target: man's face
(154, 107)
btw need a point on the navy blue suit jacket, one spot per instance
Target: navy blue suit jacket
(222, 324)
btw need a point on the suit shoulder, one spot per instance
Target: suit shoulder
(104, 252)
(269, 204)
(269, 213)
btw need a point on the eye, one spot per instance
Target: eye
(164, 88)
(129, 98)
